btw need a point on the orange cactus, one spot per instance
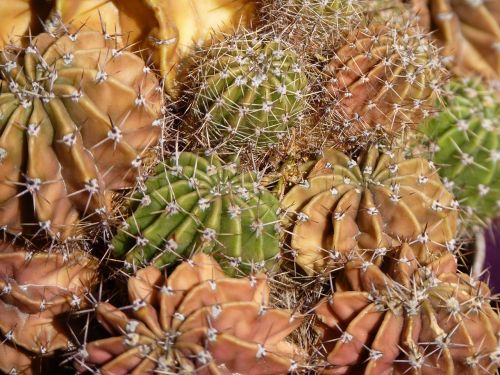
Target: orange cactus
(405, 318)
(196, 320)
(35, 289)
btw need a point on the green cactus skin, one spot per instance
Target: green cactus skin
(465, 140)
(193, 202)
(251, 91)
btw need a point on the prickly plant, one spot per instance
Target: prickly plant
(78, 113)
(469, 31)
(249, 90)
(196, 320)
(35, 290)
(347, 206)
(192, 202)
(383, 80)
(405, 318)
(181, 27)
(465, 142)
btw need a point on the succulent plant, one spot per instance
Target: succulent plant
(196, 320)
(77, 115)
(35, 289)
(465, 142)
(403, 317)
(248, 92)
(382, 81)
(469, 31)
(346, 206)
(192, 203)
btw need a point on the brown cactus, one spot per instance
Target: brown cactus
(376, 202)
(383, 80)
(405, 318)
(468, 30)
(77, 114)
(35, 289)
(197, 320)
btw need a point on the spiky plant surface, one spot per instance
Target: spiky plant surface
(346, 206)
(197, 319)
(469, 31)
(400, 317)
(249, 90)
(78, 113)
(193, 202)
(464, 143)
(35, 290)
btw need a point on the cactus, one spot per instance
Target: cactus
(35, 289)
(77, 115)
(195, 320)
(468, 30)
(193, 202)
(248, 92)
(403, 317)
(346, 206)
(383, 80)
(465, 141)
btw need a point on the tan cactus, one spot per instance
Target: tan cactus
(376, 202)
(77, 114)
(35, 289)
(469, 31)
(405, 318)
(196, 321)
(383, 80)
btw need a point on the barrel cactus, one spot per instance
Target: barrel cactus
(406, 318)
(248, 92)
(35, 289)
(383, 80)
(192, 202)
(196, 320)
(464, 142)
(77, 113)
(345, 207)
(469, 31)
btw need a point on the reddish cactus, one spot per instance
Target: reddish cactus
(404, 318)
(197, 320)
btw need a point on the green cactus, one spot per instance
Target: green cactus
(248, 92)
(465, 140)
(193, 202)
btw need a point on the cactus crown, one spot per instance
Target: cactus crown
(192, 203)
(464, 142)
(249, 91)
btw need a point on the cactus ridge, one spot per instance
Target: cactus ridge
(77, 114)
(193, 202)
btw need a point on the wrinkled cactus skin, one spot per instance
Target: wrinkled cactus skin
(464, 142)
(469, 31)
(35, 289)
(405, 318)
(382, 80)
(345, 206)
(77, 114)
(251, 91)
(194, 202)
(195, 321)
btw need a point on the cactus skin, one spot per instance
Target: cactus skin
(35, 290)
(251, 91)
(464, 142)
(77, 116)
(196, 320)
(194, 202)
(347, 206)
(383, 80)
(469, 31)
(404, 318)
